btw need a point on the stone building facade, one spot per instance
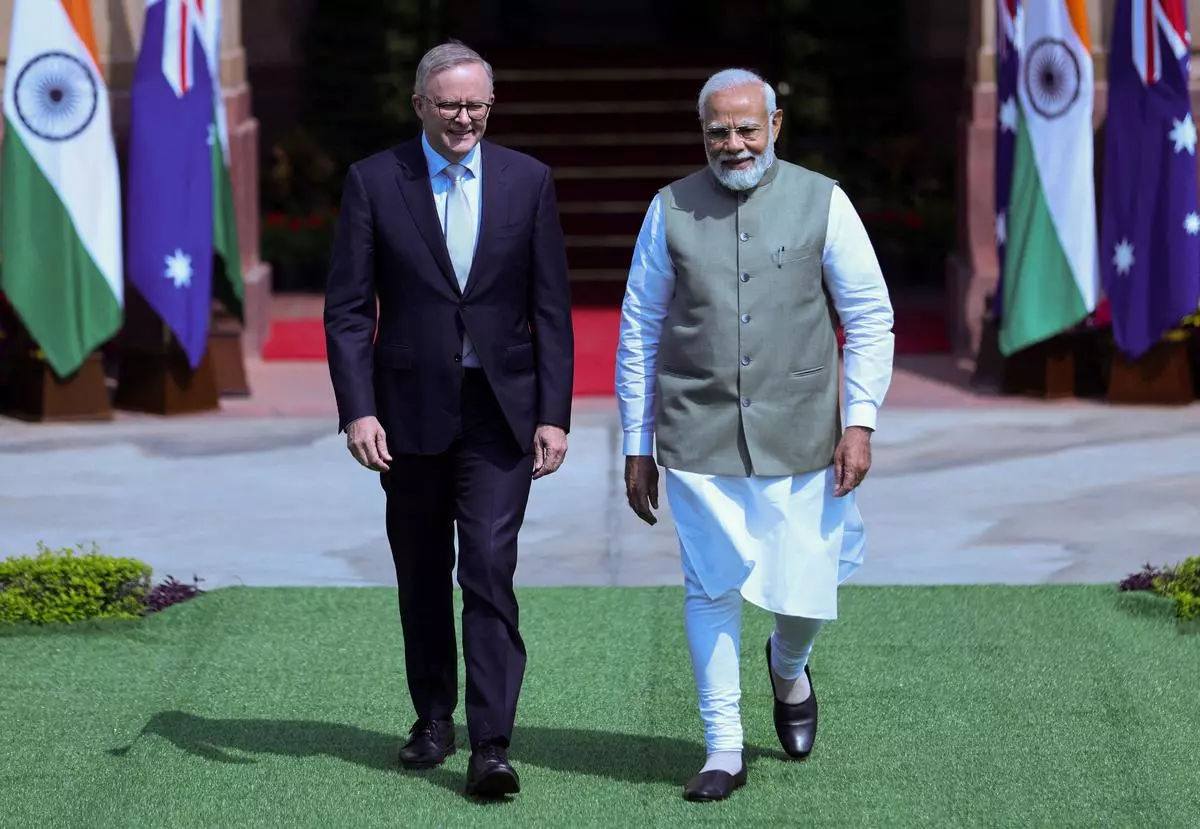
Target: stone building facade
(118, 25)
(953, 88)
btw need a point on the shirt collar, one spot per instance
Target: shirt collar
(437, 163)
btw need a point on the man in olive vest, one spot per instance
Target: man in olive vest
(728, 361)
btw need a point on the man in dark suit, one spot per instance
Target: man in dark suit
(452, 246)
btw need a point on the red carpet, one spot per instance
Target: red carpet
(917, 332)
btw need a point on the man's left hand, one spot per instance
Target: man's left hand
(549, 450)
(852, 459)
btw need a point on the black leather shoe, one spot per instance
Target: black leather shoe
(489, 774)
(795, 725)
(430, 743)
(714, 785)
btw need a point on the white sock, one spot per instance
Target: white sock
(791, 645)
(729, 762)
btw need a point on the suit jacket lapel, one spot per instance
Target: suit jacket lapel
(413, 179)
(493, 207)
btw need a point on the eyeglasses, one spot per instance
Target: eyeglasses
(476, 110)
(719, 135)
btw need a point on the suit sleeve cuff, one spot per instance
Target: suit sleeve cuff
(861, 414)
(639, 443)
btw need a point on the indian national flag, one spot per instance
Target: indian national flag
(60, 233)
(227, 286)
(1051, 271)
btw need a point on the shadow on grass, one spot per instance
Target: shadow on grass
(1149, 605)
(631, 758)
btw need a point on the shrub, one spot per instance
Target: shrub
(1183, 585)
(171, 592)
(1180, 583)
(1144, 579)
(61, 586)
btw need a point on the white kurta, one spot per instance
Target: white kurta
(785, 542)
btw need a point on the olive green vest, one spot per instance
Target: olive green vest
(747, 372)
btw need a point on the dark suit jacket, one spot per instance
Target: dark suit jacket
(516, 306)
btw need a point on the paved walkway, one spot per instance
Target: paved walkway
(964, 489)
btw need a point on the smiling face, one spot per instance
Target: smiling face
(739, 135)
(464, 88)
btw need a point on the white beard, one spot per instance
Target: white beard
(748, 178)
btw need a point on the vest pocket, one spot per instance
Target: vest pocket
(807, 372)
(799, 254)
(692, 374)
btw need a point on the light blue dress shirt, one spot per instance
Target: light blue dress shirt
(472, 185)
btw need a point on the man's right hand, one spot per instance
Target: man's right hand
(641, 486)
(368, 444)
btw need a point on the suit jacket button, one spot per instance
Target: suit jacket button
(458, 358)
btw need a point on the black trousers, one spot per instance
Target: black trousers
(481, 484)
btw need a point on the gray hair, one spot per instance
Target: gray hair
(446, 56)
(730, 78)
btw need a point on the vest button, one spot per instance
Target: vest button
(745, 402)
(745, 277)
(458, 358)
(745, 318)
(744, 236)
(745, 361)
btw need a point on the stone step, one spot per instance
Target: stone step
(528, 141)
(582, 222)
(676, 56)
(613, 256)
(639, 188)
(647, 85)
(574, 76)
(569, 155)
(587, 117)
(603, 286)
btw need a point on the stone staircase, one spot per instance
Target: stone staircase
(615, 127)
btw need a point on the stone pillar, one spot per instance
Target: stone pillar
(243, 152)
(6, 10)
(118, 33)
(972, 270)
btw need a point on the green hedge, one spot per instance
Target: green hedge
(66, 585)
(1179, 583)
(1182, 583)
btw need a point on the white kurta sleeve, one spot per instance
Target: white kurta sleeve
(860, 296)
(647, 297)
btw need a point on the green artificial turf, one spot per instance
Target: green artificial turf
(984, 706)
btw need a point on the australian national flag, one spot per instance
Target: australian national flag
(1008, 70)
(1150, 225)
(169, 236)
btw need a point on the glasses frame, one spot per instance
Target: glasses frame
(459, 106)
(724, 133)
